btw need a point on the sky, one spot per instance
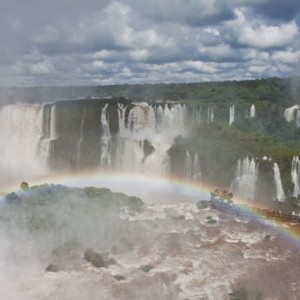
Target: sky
(102, 42)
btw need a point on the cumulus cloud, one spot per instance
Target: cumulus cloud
(69, 42)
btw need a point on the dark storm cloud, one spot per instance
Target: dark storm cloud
(128, 41)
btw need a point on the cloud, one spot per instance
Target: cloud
(269, 36)
(192, 12)
(274, 9)
(68, 42)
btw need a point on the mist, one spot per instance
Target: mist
(171, 251)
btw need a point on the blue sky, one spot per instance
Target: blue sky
(100, 42)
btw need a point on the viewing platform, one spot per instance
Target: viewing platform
(222, 200)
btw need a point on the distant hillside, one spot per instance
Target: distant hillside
(275, 90)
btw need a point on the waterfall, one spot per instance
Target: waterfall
(252, 111)
(45, 133)
(53, 134)
(210, 114)
(245, 182)
(21, 129)
(196, 169)
(289, 113)
(44, 146)
(197, 111)
(121, 116)
(231, 114)
(166, 166)
(280, 196)
(79, 147)
(178, 114)
(298, 118)
(295, 175)
(159, 116)
(187, 166)
(142, 115)
(105, 143)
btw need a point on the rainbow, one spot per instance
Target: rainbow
(133, 183)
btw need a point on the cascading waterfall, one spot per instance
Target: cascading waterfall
(158, 125)
(47, 137)
(252, 111)
(105, 158)
(197, 175)
(79, 147)
(298, 118)
(289, 113)
(210, 114)
(295, 175)
(197, 112)
(188, 171)
(245, 183)
(121, 115)
(141, 116)
(280, 195)
(21, 129)
(53, 133)
(137, 141)
(166, 166)
(231, 114)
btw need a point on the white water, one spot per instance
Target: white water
(210, 114)
(158, 126)
(190, 258)
(105, 144)
(29, 135)
(245, 183)
(188, 171)
(298, 118)
(79, 147)
(289, 113)
(295, 175)
(197, 174)
(231, 114)
(280, 195)
(21, 129)
(252, 111)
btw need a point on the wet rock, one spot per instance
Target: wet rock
(52, 268)
(94, 258)
(202, 204)
(146, 268)
(111, 261)
(210, 220)
(119, 277)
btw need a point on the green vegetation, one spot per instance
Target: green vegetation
(74, 217)
(273, 90)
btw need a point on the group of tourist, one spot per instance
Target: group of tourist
(222, 193)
